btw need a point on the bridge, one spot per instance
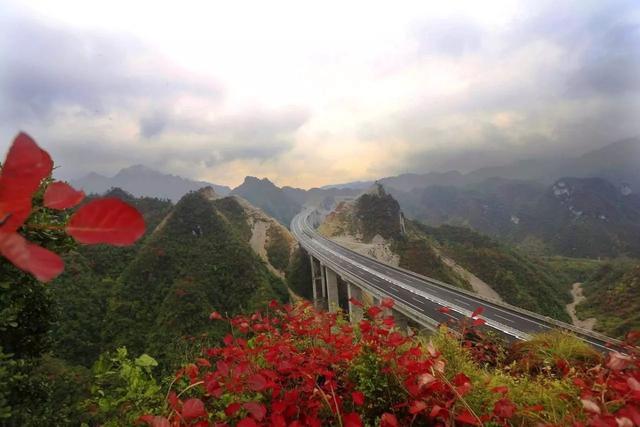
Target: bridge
(339, 274)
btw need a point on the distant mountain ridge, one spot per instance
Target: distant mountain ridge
(617, 162)
(584, 217)
(142, 181)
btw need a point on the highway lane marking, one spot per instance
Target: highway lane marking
(504, 318)
(462, 302)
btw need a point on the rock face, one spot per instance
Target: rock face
(269, 239)
(373, 225)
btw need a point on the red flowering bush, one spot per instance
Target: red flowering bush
(294, 366)
(26, 172)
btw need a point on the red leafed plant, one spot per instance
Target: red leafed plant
(26, 168)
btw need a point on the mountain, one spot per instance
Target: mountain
(579, 217)
(265, 195)
(205, 253)
(197, 261)
(286, 202)
(144, 182)
(373, 224)
(616, 162)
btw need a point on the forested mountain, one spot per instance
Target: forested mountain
(580, 217)
(207, 253)
(374, 224)
(270, 198)
(613, 298)
(144, 182)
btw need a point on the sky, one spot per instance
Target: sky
(313, 93)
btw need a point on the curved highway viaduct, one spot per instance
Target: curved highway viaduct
(339, 274)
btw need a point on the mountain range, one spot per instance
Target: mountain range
(617, 163)
(142, 181)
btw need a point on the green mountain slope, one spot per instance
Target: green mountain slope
(613, 298)
(194, 264)
(518, 279)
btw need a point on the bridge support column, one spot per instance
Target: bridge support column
(317, 282)
(355, 312)
(332, 290)
(402, 322)
(313, 279)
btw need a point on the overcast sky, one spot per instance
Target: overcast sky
(311, 93)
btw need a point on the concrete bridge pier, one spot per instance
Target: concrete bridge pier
(317, 284)
(355, 312)
(332, 289)
(402, 321)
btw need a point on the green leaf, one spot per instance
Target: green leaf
(146, 360)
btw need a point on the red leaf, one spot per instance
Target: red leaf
(387, 303)
(42, 263)
(351, 419)
(502, 389)
(154, 421)
(417, 406)
(257, 382)
(468, 418)
(193, 408)
(231, 409)
(60, 195)
(247, 422)
(374, 311)
(355, 302)
(388, 420)
(257, 410)
(108, 220)
(504, 408)
(25, 166)
(444, 310)
(479, 322)
(358, 398)
(477, 312)
(534, 408)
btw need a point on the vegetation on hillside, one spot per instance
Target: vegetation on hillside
(613, 297)
(520, 280)
(295, 366)
(195, 264)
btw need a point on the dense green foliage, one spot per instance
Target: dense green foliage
(194, 265)
(277, 246)
(522, 281)
(122, 389)
(299, 274)
(418, 255)
(574, 269)
(613, 297)
(377, 213)
(82, 292)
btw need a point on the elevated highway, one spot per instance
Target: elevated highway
(339, 273)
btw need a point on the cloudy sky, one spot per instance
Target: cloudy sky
(311, 93)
